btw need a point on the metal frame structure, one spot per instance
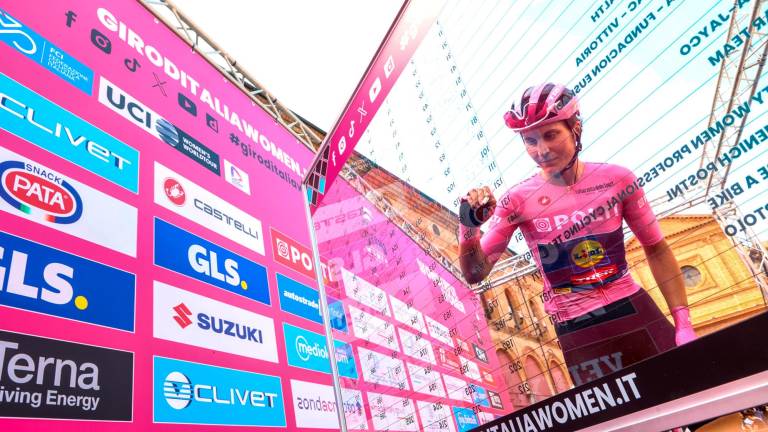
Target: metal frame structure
(198, 40)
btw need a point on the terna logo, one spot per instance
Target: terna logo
(174, 191)
(33, 189)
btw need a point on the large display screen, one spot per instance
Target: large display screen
(575, 325)
(155, 260)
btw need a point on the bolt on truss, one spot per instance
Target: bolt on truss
(167, 12)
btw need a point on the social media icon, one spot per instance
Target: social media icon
(187, 105)
(212, 123)
(101, 41)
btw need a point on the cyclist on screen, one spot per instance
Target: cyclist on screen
(571, 214)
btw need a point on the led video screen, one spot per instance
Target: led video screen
(570, 290)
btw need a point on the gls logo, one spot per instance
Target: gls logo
(190, 255)
(46, 280)
(33, 189)
(217, 325)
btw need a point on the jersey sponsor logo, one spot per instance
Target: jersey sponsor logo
(303, 301)
(206, 209)
(54, 379)
(38, 49)
(292, 254)
(548, 223)
(542, 224)
(185, 253)
(598, 275)
(48, 281)
(544, 200)
(315, 406)
(36, 193)
(131, 109)
(237, 177)
(32, 189)
(31, 117)
(194, 393)
(307, 350)
(587, 253)
(188, 318)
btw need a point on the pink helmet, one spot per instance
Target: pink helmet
(543, 104)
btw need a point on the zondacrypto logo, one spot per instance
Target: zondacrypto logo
(35, 190)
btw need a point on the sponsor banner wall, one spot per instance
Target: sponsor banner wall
(100, 104)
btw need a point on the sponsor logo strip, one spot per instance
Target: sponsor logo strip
(457, 388)
(185, 198)
(407, 314)
(416, 346)
(192, 393)
(438, 331)
(435, 417)
(187, 254)
(46, 280)
(33, 118)
(315, 406)
(364, 292)
(35, 192)
(292, 254)
(426, 380)
(54, 379)
(184, 317)
(301, 300)
(26, 41)
(134, 111)
(308, 350)
(373, 329)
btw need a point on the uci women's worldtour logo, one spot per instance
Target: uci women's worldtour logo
(188, 318)
(41, 279)
(35, 192)
(134, 111)
(183, 197)
(38, 192)
(194, 393)
(53, 379)
(185, 253)
(33, 118)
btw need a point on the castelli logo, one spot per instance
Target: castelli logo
(34, 190)
(174, 191)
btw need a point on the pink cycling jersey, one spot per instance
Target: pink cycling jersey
(575, 235)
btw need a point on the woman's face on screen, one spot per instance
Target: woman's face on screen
(551, 146)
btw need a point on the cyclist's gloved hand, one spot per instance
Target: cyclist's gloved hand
(475, 208)
(683, 328)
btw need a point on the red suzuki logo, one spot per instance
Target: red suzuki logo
(182, 315)
(292, 254)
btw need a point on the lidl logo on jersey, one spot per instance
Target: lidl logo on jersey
(465, 418)
(181, 196)
(46, 280)
(303, 301)
(35, 192)
(54, 379)
(237, 177)
(192, 393)
(134, 111)
(185, 253)
(292, 254)
(188, 318)
(308, 350)
(33, 118)
(26, 41)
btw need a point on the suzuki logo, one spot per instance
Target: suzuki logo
(182, 315)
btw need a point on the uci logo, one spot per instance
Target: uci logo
(55, 286)
(207, 262)
(35, 190)
(587, 253)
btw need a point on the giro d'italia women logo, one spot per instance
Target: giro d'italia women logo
(35, 190)
(177, 390)
(174, 191)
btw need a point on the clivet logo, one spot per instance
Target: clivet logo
(37, 191)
